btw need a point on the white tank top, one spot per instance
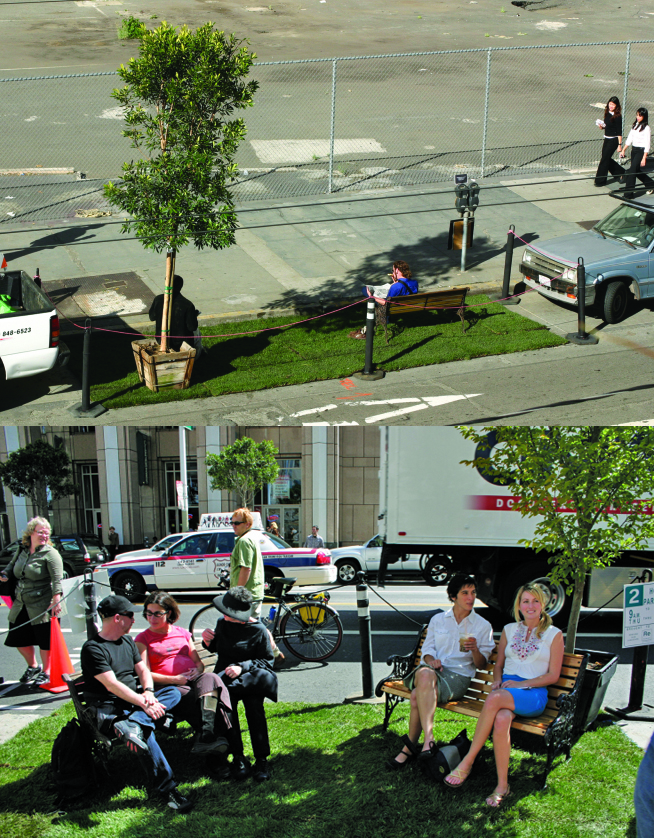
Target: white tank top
(527, 658)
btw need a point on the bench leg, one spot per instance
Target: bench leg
(462, 315)
(391, 703)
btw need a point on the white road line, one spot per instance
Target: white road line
(314, 410)
(381, 416)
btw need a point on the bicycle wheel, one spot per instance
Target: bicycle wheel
(205, 618)
(312, 631)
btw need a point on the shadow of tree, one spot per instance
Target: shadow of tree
(431, 262)
(69, 235)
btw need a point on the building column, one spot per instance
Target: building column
(319, 487)
(112, 482)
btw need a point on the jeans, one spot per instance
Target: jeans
(644, 794)
(109, 712)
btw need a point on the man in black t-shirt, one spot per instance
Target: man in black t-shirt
(119, 686)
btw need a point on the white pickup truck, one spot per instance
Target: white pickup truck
(29, 328)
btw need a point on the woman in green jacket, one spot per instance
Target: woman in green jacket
(38, 570)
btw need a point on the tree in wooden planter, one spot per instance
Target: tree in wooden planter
(580, 481)
(178, 99)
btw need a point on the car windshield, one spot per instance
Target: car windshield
(279, 542)
(630, 224)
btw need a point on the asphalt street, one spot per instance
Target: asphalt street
(340, 677)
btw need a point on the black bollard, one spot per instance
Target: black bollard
(86, 409)
(581, 337)
(37, 277)
(365, 636)
(369, 372)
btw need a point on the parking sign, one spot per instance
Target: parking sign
(638, 624)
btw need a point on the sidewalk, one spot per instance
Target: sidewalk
(288, 257)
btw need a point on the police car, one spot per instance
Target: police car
(196, 561)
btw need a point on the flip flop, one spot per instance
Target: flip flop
(459, 775)
(496, 799)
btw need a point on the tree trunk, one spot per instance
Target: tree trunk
(40, 499)
(571, 636)
(168, 297)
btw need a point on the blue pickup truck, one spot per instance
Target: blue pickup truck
(618, 257)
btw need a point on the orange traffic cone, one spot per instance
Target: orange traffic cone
(59, 659)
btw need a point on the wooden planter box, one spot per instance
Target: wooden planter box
(163, 370)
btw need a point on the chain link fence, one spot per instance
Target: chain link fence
(343, 125)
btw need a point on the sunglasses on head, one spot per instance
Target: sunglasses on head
(129, 614)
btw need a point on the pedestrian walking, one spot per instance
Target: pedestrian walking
(314, 540)
(640, 140)
(114, 541)
(611, 124)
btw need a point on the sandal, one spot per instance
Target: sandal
(458, 774)
(496, 799)
(394, 765)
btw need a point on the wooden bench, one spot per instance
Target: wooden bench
(447, 298)
(558, 724)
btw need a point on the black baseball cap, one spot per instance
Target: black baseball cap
(114, 604)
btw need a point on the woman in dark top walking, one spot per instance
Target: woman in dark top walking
(611, 124)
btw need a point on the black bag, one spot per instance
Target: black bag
(446, 757)
(72, 762)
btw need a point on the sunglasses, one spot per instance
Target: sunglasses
(236, 523)
(155, 613)
(129, 614)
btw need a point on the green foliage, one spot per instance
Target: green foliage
(243, 467)
(178, 97)
(576, 480)
(31, 470)
(328, 780)
(131, 28)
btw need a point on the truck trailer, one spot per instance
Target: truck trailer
(464, 522)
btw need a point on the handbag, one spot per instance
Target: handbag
(446, 756)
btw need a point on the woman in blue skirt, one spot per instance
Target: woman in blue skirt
(530, 652)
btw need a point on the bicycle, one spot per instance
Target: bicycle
(310, 628)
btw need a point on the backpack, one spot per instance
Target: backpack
(72, 762)
(446, 757)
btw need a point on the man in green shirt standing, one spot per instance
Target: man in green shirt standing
(246, 562)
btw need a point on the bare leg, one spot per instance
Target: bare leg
(415, 729)
(497, 700)
(29, 653)
(45, 658)
(502, 748)
(426, 699)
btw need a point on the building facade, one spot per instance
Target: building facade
(129, 478)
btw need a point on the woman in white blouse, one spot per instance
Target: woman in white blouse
(531, 652)
(639, 139)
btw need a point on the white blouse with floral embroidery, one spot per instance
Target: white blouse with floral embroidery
(527, 658)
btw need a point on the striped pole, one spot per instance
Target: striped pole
(365, 636)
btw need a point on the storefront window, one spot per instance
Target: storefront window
(174, 521)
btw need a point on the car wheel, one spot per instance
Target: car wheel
(68, 571)
(437, 571)
(128, 584)
(558, 605)
(346, 571)
(616, 302)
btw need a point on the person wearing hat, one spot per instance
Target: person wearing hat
(118, 686)
(245, 665)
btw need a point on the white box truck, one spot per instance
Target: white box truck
(29, 328)
(432, 504)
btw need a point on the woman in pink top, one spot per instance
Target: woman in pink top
(169, 653)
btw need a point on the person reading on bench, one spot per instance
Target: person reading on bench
(458, 642)
(531, 652)
(401, 284)
(118, 686)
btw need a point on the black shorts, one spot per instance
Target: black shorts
(28, 635)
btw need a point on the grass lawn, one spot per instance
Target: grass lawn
(329, 781)
(313, 351)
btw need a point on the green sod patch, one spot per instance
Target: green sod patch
(329, 781)
(313, 351)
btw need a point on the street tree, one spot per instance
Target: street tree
(587, 487)
(32, 470)
(243, 468)
(177, 101)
